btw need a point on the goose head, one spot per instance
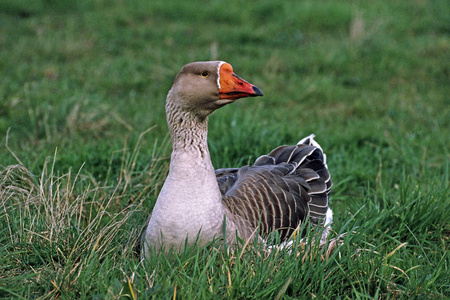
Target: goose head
(202, 87)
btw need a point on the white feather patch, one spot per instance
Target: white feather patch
(218, 73)
(328, 217)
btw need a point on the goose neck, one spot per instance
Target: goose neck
(188, 132)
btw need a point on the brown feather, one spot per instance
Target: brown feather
(280, 190)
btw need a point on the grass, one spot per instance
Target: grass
(85, 147)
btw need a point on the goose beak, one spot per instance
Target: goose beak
(233, 87)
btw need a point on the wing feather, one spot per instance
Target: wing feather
(280, 190)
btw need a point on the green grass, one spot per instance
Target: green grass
(85, 150)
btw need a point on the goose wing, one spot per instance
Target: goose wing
(280, 190)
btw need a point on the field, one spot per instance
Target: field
(84, 147)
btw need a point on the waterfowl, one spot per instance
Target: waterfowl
(279, 192)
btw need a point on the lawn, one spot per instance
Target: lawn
(84, 146)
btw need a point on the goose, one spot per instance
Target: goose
(197, 204)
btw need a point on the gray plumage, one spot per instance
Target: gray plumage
(279, 192)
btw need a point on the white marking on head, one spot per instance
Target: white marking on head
(218, 73)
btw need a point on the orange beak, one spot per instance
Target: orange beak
(233, 87)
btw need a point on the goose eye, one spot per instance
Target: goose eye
(205, 73)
